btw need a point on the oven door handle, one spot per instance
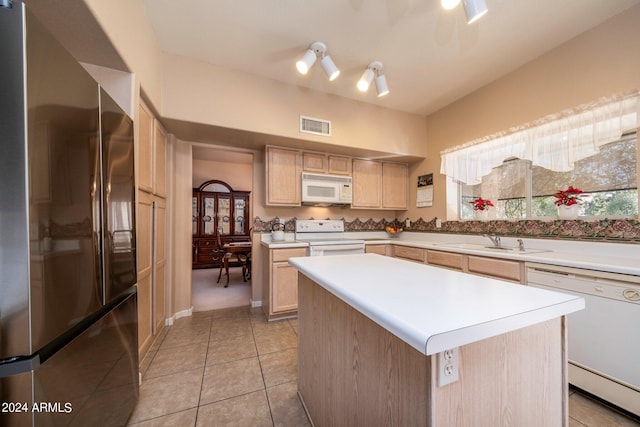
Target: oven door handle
(320, 249)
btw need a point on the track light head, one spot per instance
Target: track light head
(373, 71)
(305, 63)
(317, 49)
(329, 68)
(381, 85)
(365, 80)
(449, 4)
(474, 9)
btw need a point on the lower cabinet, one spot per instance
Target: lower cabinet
(280, 283)
(496, 268)
(152, 260)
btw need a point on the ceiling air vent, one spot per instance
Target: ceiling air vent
(315, 126)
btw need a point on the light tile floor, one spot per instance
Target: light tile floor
(231, 367)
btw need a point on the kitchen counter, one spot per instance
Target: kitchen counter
(431, 308)
(381, 338)
(611, 257)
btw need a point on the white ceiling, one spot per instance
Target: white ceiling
(431, 57)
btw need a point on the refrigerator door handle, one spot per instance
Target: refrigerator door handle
(19, 365)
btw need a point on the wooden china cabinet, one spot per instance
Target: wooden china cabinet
(217, 209)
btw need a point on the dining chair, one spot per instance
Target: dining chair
(229, 257)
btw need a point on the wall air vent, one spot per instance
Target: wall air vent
(315, 126)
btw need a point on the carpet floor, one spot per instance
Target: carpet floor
(206, 294)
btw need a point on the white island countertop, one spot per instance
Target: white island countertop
(431, 308)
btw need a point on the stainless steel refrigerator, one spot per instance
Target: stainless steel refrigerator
(68, 313)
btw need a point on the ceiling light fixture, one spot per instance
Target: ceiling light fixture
(373, 71)
(474, 9)
(317, 49)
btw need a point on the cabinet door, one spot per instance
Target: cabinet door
(224, 214)
(159, 264)
(144, 252)
(240, 213)
(284, 185)
(284, 280)
(367, 176)
(194, 215)
(314, 162)
(145, 148)
(208, 216)
(394, 186)
(160, 156)
(339, 165)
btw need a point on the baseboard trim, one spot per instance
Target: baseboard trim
(184, 313)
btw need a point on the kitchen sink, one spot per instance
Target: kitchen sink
(489, 248)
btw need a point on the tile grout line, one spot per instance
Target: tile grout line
(266, 394)
(204, 368)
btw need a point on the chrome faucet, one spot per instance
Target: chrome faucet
(495, 240)
(520, 245)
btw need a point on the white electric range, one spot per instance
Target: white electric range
(327, 237)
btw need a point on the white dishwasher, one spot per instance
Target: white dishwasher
(604, 344)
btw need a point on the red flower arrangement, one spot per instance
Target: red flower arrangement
(481, 204)
(568, 197)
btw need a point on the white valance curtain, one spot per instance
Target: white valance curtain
(555, 142)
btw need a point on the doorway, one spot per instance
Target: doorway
(236, 169)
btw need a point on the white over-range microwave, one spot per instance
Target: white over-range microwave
(325, 190)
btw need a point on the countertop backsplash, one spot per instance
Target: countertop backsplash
(603, 230)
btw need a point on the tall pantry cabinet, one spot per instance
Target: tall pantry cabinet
(151, 217)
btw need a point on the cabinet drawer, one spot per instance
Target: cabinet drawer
(204, 244)
(446, 259)
(415, 254)
(285, 254)
(376, 249)
(512, 270)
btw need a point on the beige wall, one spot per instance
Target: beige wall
(238, 175)
(600, 62)
(197, 92)
(128, 27)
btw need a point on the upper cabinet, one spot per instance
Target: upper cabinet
(376, 184)
(326, 163)
(395, 186)
(284, 168)
(379, 185)
(367, 184)
(152, 153)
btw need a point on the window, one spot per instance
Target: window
(520, 190)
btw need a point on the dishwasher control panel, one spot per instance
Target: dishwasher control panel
(621, 287)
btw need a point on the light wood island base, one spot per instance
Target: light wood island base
(353, 372)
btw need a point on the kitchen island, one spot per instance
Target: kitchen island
(384, 341)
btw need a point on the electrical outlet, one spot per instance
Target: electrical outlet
(407, 223)
(438, 223)
(447, 365)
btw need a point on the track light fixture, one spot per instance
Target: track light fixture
(473, 9)
(317, 49)
(373, 71)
